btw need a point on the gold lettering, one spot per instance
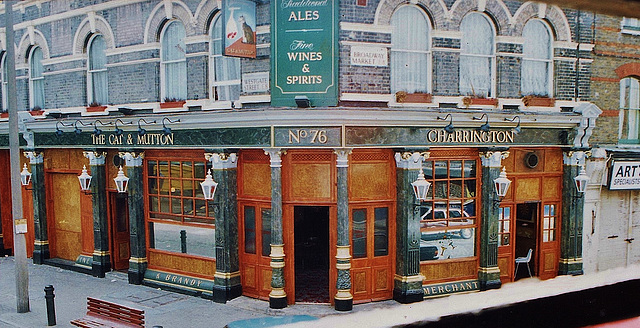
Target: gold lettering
(447, 288)
(475, 284)
(426, 291)
(469, 286)
(199, 281)
(98, 140)
(167, 277)
(455, 287)
(115, 140)
(174, 279)
(509, 136)
(432, 136)
(158, 275)
(440, 289)
(433, 290)
(180, 280)
(193, 282)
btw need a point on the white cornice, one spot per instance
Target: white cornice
(359, 27)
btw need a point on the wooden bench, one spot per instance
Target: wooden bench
(106, 314)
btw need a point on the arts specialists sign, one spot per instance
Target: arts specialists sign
(625, 175)
(304, 52)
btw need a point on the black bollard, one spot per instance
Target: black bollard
(183, 241)
(51, 306)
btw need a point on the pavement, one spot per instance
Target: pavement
(162, 308)
(603, 296)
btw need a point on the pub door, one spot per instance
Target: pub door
(311, 247)
(372, 256)
(119, 226)
(537, 229)
(254, 248)
(70, 216)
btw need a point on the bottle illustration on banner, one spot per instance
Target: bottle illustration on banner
(232, 28)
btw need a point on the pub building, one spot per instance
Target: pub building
(310, 189)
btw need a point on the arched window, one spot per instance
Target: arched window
(537, 62)
(97, 71)
(629, 107)
(477, 56)
(4, 77)
(36, 79)
(410, 51)
(173, 65)
(224, 72)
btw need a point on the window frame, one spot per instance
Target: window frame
(5, 83)
(549, 60)
(630, 25)
(92, 72)
(626, 108)
(428, 52)
(37, 80)
(227, 61)
(164, 83)
(491, 93)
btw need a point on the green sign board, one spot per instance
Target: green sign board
(304, 52)
(450, 288)
(308, 137)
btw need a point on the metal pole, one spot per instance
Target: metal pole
(19, 226)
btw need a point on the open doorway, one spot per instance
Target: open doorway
(526, 237)
(119, 223)
(311, 242)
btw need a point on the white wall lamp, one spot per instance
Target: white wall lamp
(85, 180)
(581, 181)
(421, 187)
(25, 176)
(121, 181)
(208, 186)
(501, 184)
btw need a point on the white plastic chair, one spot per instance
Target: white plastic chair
(524, 259)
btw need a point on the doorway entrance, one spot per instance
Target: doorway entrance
(119, 222)
(526, 237)
(311, 242)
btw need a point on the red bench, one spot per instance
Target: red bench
(106, 314)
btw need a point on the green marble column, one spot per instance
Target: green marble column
(227, 283)
(407, 283)
(343, 298)
(572, 216)
(138, 258)
(277, 296)
(101, 258)
(489, 273)
(41, 243)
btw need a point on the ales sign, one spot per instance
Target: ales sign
(304, 52)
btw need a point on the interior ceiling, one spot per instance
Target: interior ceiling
(626, 8)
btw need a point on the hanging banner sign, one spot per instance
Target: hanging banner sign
(304, 51)
(239, 17)
(625, 175)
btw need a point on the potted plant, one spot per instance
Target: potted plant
(96, 107)
(479, 100)
(172, 103)
(4, 114)
(418, 97)
(538, 100)
(36, 110)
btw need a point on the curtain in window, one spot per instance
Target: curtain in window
(536, 65)
(410, 51)
(629, 106)
(476, 55)
(225, 71)
(173, 61)
(98, 70)
(36, 78)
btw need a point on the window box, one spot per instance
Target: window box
(4, 114)
(469, 101)
(172, 104)
(98, 108)
(538, 101)
(403, 97)
(37, 112)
